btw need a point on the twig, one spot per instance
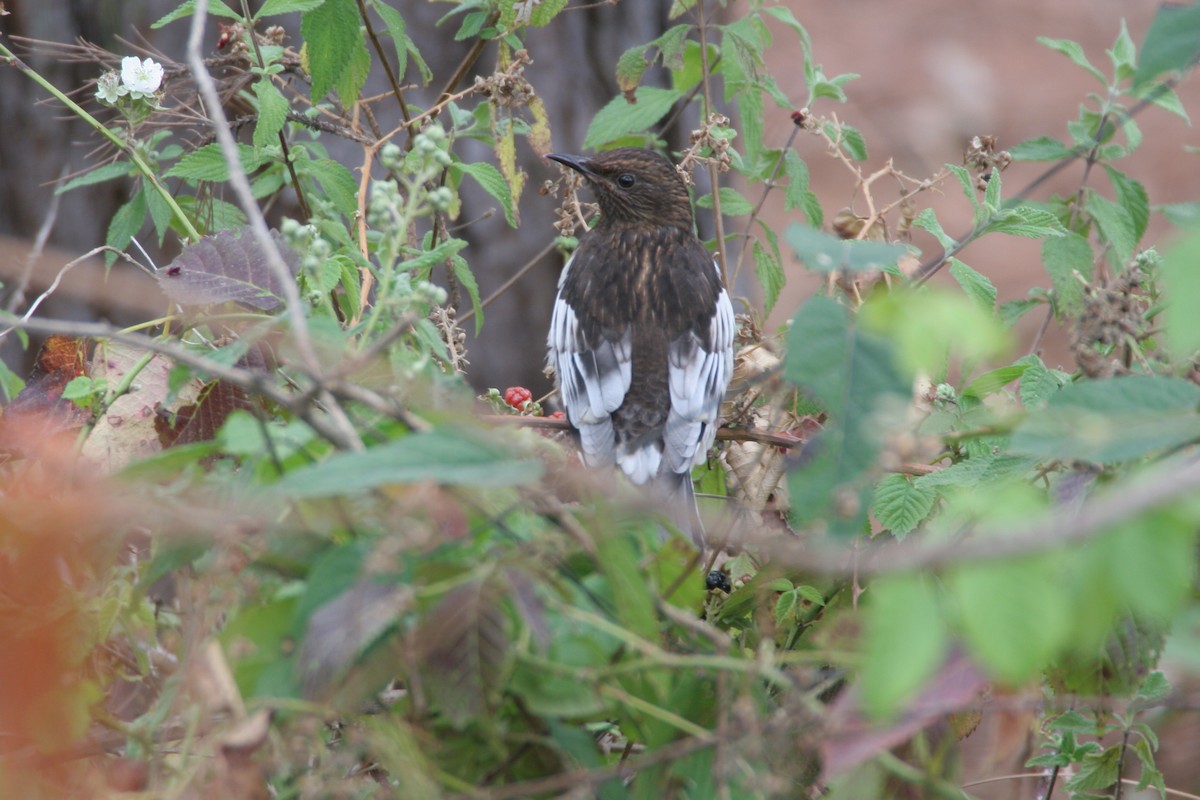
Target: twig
(249, 380)
(508, 284)
(39, 245)
(387, 65)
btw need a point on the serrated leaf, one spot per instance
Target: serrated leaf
(1096, 771)
(208, 163)
(1027, 221)
(770, 275)
(160, 212)
(1063, 257)
(621, 118)
(1112, 420)
(900, 505)
(905, 638)
(125, 224)
(1172, 43)
(462, 646)
(396, 28)
(466, 279)
(1132, 197)
(492, 181)
(976, 285)
(337, 181)
(1039, 384)
(334, 46)
(228, 266)
(852, 141)
(271, 8)
(823, 252)
(215, 7)
(453, 456)
(1041, 148)
(631, 66)
(1115, 224)
(1073, 51)
(733, 202)
(104, 172)
(272, 113)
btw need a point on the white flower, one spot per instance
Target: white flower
(109, 88)
(141, 78)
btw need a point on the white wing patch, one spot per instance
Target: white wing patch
(698, 378)
(593, 379)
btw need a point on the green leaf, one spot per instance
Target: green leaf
(1115, 224)
(900, 505)
(1073, 51)
(1112, 420)
(621, 118)
(215, 7)
(125, 224)
(160, 212)
(1132, 197)
(466, 279)
(994, 380)
(631, 66)
(105, 172)
(1063, 257)
(335, 48)
(1182, 279)
(1172, 43)
(823, 252)
(733, 203)
(454, 456)
(770, 275)
(492, 181)
(1028, 221)
(271, 8)
(906, 641)
(1039, 384)
(1097, 771)
(337, 181)
(272, 112)
(852, 141)
(1152, 559)
(1181, 215)
(208, 163)
(1041, 148)
(398, 30)
(1013, 615)
(976, 285)
(851, 373)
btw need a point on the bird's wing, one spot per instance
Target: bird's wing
(699, 369)
(593, 377)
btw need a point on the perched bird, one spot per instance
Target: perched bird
(642, 332)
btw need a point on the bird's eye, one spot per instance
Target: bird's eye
(626, 181)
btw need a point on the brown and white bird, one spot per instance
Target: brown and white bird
(642, 332)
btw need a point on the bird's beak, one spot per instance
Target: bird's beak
(578, 163)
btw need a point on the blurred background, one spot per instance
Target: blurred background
(934, 74)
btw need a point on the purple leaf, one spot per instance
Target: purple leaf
(229, 266)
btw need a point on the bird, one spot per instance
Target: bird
(642, 331)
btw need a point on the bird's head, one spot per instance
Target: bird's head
(634, 186)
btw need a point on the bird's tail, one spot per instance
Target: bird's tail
(679, 497)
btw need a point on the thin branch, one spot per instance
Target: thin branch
(508, 284)
(1057, 528)
(387, 65)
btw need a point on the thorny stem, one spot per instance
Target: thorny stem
(121, 144)
(713, 172)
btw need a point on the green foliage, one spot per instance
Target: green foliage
(477, 616)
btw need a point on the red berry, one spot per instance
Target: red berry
(558, 415)
(517, 396)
